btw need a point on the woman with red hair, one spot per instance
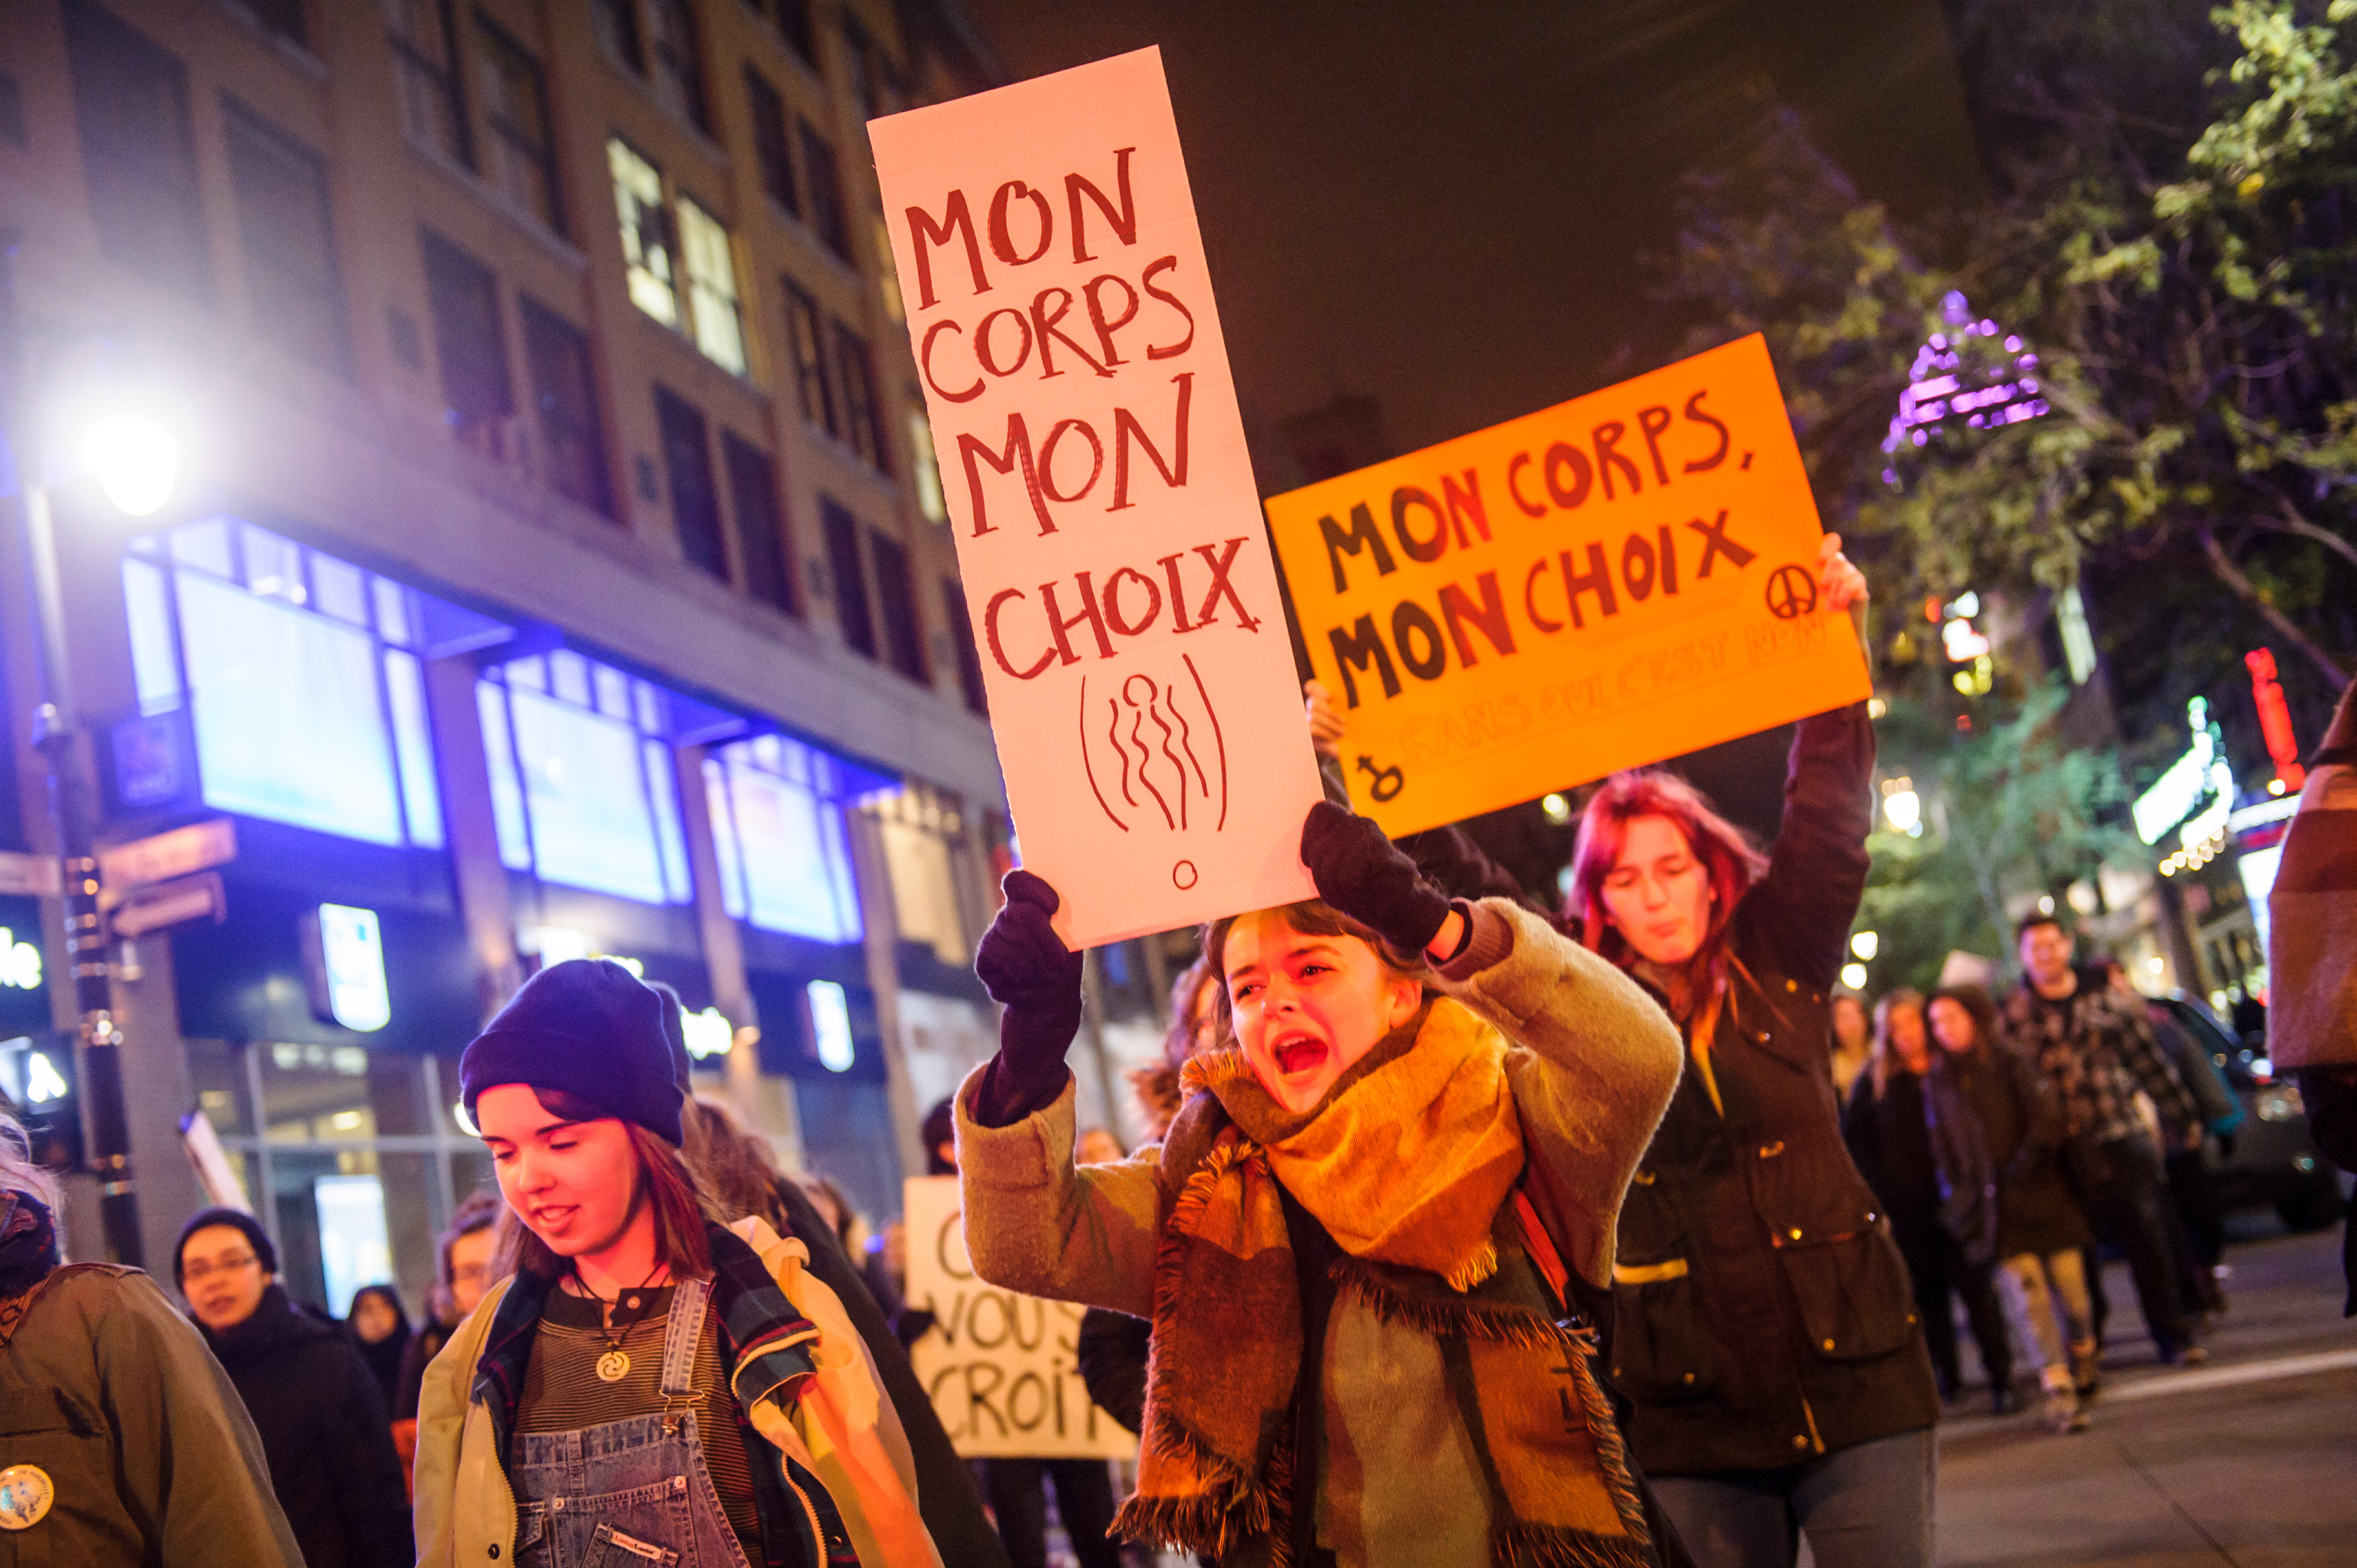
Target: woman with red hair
(1766, 1334)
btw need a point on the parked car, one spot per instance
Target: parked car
(2270, 1159)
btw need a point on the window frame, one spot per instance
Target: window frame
(703, 537)
(863, 421)
(969, 657)
(752, 481)
(244, 129)
(545, 328)
(412, 63)
(896, 598)
(675, 67)
(463, 426)
(642, 223)
(537, 156)
(806, 339)
(854, 614)
(772, 140)
(715, 310)
(829, 212)
(165, 203)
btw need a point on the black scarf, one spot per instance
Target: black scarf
(28, 1254)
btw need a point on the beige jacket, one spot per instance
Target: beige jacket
(839, 1427)
(1591, 1065)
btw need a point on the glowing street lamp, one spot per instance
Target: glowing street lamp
(135, 459)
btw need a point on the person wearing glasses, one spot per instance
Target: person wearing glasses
(313, 1399)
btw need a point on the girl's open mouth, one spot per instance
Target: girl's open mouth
(1299, 1055)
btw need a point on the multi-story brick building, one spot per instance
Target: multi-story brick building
(557, 565)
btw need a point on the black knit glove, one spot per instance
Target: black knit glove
(1359, 873)
(1024, 966)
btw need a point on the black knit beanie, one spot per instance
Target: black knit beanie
(588, 1027)
(236, 1220)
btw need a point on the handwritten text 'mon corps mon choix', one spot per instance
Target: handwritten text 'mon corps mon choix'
(1495, 611)
(1127, 323)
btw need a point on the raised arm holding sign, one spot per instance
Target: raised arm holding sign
(1108, 528)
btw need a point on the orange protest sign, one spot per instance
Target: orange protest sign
(1618, 579)
(1142, 689)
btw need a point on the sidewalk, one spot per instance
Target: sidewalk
(2249, 1462)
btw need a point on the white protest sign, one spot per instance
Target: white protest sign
(999, 1367)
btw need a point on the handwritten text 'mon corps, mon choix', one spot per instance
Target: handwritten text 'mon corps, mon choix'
(1496, 611)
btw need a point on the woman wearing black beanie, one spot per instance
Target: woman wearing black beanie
(648, 1383)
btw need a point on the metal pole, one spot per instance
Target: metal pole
(55, 737)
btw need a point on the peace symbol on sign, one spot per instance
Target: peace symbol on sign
(1791, 592)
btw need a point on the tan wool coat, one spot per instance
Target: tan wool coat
(1591, 1065)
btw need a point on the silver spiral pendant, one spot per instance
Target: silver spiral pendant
(613, 1366)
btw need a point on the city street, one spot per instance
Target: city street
(2248, 1461)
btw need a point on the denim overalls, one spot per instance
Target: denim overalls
(628, 1494)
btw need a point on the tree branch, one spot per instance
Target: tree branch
(2231, 575)
(2294, 522)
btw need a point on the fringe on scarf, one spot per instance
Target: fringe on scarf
(1513, 1544)
(1501, 1323)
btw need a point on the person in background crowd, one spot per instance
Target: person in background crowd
(835, 1211)
(381, 1325)
(1329, 1239)
(1098, 1146)
(646, 1383)
(2096, 1050)
(1931, 1171)
(2312, 955)
(2040, 1232)
(2192, 1196)
(1853, 1041)
(1780, 1386)
(146, 1452)
(314, 1402)
(462, 1271)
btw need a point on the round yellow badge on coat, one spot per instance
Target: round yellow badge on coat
(26, 1493)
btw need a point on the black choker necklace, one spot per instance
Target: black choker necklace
(615, 1364)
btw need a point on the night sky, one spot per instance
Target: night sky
(1459, 208)
(1451, 207)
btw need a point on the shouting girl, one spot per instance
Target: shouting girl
(1362, 1351)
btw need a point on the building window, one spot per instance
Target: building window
(792, 19)
(423, 79)
(478, 400)
(719, 325)
(969, 659)
(583, 792)
(678, 68)
(296, 290)
(850, 576)
(812, 384)
(827, 214)
(925, 465)
(904, 645)
(131, 107)
(615, 23)
(694, 498)
(761, 541)
(521, 162)
(919, 828)
(572, 442)
(301, 676)
(769, 141)
(862, 424)
(779, 835)
(647, 244)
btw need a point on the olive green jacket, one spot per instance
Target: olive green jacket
(153, 1462)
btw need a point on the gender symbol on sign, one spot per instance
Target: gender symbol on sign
(1157, 773)
(1388, 781)
(1791, 592)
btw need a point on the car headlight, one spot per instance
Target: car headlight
(2280, 1103)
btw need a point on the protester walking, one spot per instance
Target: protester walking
(1359, 1343)
(1780, 1381)
(2039, 1233)
(1926, 1157)
(2095, 1051)
(382, 1329)
(314, 1400)
(2312, 956)
(462, 1272)
(1853, 1041)
(646, 1382)
(121, 1440)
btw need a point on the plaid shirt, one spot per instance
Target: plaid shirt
(2096, 1048)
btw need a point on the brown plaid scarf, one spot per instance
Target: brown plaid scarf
(1408, 1164)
